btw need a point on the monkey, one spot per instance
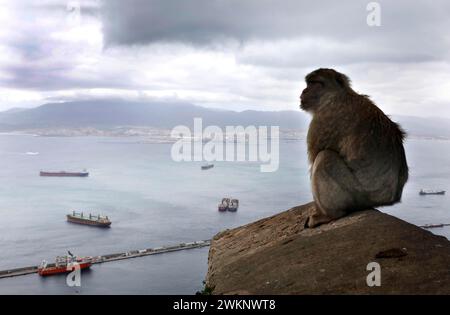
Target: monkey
(355, 151)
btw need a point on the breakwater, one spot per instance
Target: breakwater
(15, 272)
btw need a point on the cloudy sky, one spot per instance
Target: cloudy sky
(235, 54)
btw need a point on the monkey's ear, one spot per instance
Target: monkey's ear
(343, 80)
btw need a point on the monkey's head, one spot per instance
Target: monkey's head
(320, 85)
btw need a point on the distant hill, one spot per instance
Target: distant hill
(424, 127)
(113, 113)
(110, 113)
(14, 110)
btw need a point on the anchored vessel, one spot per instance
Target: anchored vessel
(223, 206)
(64, 264)
(431, 226)
(64, 174)
(431, 192)
(93, 220)
(207, 166)
(228, 204)
(234, 205)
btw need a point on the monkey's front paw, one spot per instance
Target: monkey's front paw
(305, 224)
(310, 222)
(315, 220)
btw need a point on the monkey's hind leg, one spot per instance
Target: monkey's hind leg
(334, 188)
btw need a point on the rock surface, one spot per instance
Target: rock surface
(276, 255)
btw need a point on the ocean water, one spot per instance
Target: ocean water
(154, 201)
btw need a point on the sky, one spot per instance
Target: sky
(231, 54)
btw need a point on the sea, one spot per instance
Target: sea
(154, 201)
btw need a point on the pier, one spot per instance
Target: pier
(113, 257)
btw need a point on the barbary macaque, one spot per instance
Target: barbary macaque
(356, 152)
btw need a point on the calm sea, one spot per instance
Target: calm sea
(154, 201)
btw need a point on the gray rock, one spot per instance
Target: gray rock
(277, 255)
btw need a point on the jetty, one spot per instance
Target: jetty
(114, 257)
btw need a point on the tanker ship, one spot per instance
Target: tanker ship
(423, 192)
(64, 174)
(64, 264)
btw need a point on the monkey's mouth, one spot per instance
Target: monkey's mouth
(303, 105)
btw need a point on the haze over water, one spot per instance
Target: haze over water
(154, 201)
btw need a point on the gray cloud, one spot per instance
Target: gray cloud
(57, 77)
(209, 21)
(224, 53)
(40, 60)
(89, 8)
(410, 32)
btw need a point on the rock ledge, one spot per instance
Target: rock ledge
(276, 255)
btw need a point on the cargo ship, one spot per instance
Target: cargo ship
(64, 264)
(64, 174)
(92, 220)
(423, 192)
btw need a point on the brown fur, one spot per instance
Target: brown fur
(362, 161)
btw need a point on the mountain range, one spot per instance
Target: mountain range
(113, 113)
(110, 113)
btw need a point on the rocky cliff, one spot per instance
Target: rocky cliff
(276, 255)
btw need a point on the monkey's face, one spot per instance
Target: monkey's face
(310, 97)
(320, 85)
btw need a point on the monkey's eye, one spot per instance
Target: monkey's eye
(316, 83)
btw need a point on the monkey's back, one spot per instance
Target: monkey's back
(368, 141)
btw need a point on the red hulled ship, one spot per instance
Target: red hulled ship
(64, 174)
(64, 264)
